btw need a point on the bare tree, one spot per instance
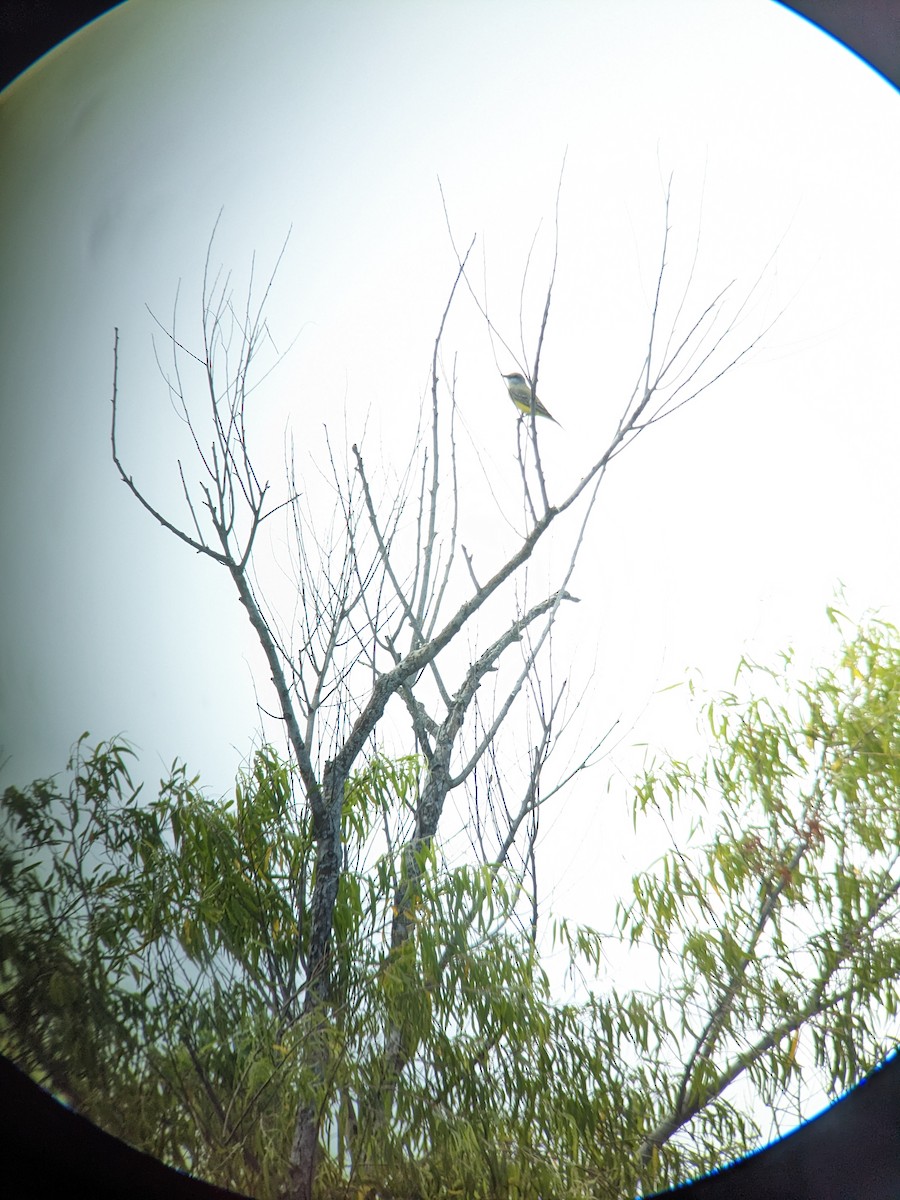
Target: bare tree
(381, 616)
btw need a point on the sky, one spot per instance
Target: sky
(724, 531)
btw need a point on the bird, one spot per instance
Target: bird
(520, 393)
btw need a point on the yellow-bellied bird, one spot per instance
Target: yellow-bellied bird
(520, 393)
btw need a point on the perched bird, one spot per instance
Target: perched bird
(520, 393)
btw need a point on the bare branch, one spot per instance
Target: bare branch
(199, 546)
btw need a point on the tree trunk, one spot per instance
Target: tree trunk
(304, 1148)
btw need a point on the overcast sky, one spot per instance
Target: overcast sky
(724, 531)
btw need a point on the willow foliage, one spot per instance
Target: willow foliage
(153, 961)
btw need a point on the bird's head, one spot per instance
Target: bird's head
(516, 378)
